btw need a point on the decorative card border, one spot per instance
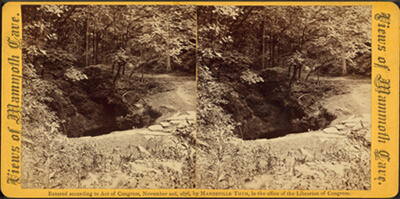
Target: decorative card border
(385, 111)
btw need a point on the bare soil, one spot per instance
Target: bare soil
(181, 96)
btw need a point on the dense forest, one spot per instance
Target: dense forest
(91, 49)
(92, 69)
(272, 58)
(110, 98)
(265, 72)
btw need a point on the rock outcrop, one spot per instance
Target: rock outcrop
(360, 125)
(177, 121)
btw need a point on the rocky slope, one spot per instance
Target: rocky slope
(157, 153)
(160, 155)
(335, 157)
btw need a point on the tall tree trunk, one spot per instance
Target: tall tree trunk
(293, 75)
(318, 74)
(141, 57)
(270, 51)
(168, 56)
(98, 50)
(141, 54)
(168, 62)
(93, 47)
(118, 72)
(87, 41)
(186, 67)
(263, 40)
(142, 77)
(300, 67)
(344, 66)
(273, 53)
(295, 68)
(103, 59)
(123, 69)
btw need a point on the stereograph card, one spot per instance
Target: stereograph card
(200, 99)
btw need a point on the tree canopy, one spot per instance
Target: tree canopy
(336, 38)
(76, 36)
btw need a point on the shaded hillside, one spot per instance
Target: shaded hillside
(87, 72)
(271, 60)
(262, 73)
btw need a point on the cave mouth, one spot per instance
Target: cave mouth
(101, 131)
(279, 133)
(272, 134)
(118, 122)
(324, 120)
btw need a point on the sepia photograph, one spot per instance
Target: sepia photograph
(200, 99)
(284, 97)
(109, 96)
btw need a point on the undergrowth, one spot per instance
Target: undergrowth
(51, 160)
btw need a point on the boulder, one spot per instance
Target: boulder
(165, 124)
(340, 127)
(156, 127)
(189, 115)
(352, 121)
(350, 124)
(176, 122)
(169, 130)
(331, 130)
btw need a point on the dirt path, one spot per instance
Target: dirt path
(329, 158)
(355, 103)
(181, 96)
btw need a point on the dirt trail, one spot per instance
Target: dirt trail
(181, 97)
(323, 159)
(355, 103)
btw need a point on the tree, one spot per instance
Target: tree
(345, 34)
(171, 32)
